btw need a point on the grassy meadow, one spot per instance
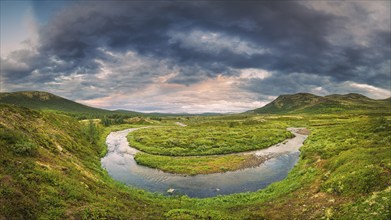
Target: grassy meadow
(210, 137)
(50, 168)
(194, 165)
(202, 146)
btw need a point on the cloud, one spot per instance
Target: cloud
(252, 73)
(211, 95)
(135, 54)
(214, 43)
(301, 82)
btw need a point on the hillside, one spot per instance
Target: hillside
(47, 101)
(309, 103)
(51, 170)
(40, 100)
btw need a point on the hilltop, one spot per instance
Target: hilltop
(40, 100)
(46, 101)
(310, 103)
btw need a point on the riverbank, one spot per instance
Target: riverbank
(281, 158)
(194, 165)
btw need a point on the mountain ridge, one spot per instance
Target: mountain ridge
(47, 101)
(41, 100)
(310, 103)
(283, 104)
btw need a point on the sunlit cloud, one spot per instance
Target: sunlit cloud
(169, 57)
(374, 92)
(213, 95)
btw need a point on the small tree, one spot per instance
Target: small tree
(231, 124)
(105, 121)
(92, 132)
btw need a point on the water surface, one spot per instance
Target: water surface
(120, 164)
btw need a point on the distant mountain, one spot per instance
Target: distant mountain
(184, 114)
(48, 101)
(387, 99)
(310, 103)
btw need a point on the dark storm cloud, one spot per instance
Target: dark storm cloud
(201, 40)
(285, 84)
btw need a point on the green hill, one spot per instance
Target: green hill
(40, 100)
(50, 169)
(309, 103)
(47, 101)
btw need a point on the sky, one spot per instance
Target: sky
(195, 56)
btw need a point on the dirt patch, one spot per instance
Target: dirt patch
(303, 131)
(180, 124)
(253, 161)
(6, 180)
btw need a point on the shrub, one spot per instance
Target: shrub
(25, 148)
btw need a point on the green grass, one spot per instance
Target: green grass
(208, 139)
(50, 169)
(197, 164)
(331, 104)
(207, 136)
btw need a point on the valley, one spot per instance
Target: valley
(51, 162)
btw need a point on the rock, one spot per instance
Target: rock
(170, 190)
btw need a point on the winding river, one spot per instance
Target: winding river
(120, 164)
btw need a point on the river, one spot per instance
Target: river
(120, 164)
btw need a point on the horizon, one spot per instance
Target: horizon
(195, 113)
(177, 57)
